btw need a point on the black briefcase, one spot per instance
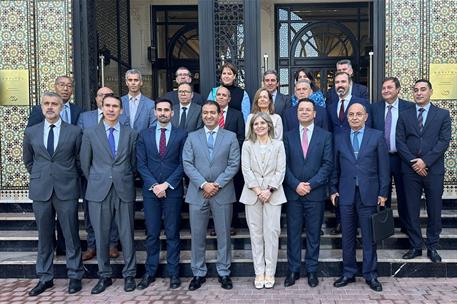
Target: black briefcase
(382, 224)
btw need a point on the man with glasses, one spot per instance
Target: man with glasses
(183, 75)
(187, 113)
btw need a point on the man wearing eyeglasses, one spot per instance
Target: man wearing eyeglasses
(187, 113)
(183, 75)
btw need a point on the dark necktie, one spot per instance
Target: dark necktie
(182, 123)
(111, 142)
(420, 118)
(341, 113)
(162, 142)
(211, 144)
(388, 126)
(50, 146)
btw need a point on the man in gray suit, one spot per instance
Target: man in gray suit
(108, 162)
(187, 113)
(50, 154)
(211, 158)
(280, 101)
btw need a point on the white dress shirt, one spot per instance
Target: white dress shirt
(56, 131)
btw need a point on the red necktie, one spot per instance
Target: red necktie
(222, 120)
(341, 113)
(162, 142)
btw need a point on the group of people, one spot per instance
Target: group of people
(299, 151)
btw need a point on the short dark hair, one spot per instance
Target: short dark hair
(310, 76)
(212, 103)
(230, 66)
(112, 96)
(163, 100)
(270, 72)
(429, 84)
(394, 79)
(307, 100)
(344, 61)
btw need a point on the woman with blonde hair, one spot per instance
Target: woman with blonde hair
(263, 164)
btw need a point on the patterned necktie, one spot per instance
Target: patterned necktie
(111, 142)
(222, 120)
(211, 144)
(341, 112)
(304, 142)
(388, 126)
(162, 142)
(50, 146)
(182, 123)
(355, 144)
(420, 118)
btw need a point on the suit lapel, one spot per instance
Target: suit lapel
(171, 141)
(204, 143)
(217, 143)
(430, 117)
(123, 140)
(40, 137)
(315, 140)
(257, 156)
(101, 133)
(347, 139)
(176, 114)
(62, 137)
(139, 109)
(364, 142)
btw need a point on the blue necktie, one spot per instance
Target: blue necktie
(420, 119)
(355, 144)
(50, 146)
(64, 114)
(211, 144)
(111, 142)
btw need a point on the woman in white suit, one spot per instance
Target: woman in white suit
(263, 164)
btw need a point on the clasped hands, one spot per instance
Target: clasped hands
(160, 190)
(303, 189)
(419, 166)
(263, 195)
(210, 190)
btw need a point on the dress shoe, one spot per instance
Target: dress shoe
(232, 231)
(89, 254)
(336, 230)
(61, 252)
(291, 278)
(196, 282)
(101, 285)
(321, 232)
(434, 256)
(259, 282)
(312, 279)
(145, 281)
(40, 288)
(129, 284)
(412, 253)
(113, 252)
(269, 282)
(374, 284)
(226, 282)
(212, 232)
(343, 281)
(74, 286)
(175, 282)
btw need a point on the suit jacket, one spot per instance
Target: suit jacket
(358, 90)
(144, 117)
(378, 112)
(234, 122)
(371, 168)
(59, 173)
(102, 171)
(36, 116)
(430, 144)
(290, 119)
(220, 169)
(315, 169)
(193, 117)
(173, 96)
(89, 119)
(263, 173)
(337, 127)
(281, 103)
(155, 169)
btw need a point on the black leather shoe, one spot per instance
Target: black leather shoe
(196, 282)
(291, 278)
(129, 284)
(74, 286)
(175, 282)
(336, 230)
(145, 281)
(102, 284)
(374, 284)
(40, 288)
(321, 232)
(226, 282)
(434, 256)
(312, 279)
(412, 253)
(343, 281)
(61, 252)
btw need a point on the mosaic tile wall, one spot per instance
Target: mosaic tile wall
(420, 33)
(35, 35)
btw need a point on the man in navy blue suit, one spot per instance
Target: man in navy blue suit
(309, 158)
(385, 117)
(359, 183)
(423, 136)
(159, 162)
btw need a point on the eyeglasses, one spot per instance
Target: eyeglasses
(105, 94)
(183, 75)
(184, 92)
(65, 85)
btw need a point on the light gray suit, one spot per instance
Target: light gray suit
(144, 117)
(54, 188)
(220, 169)
(193, 117)
(110, 192)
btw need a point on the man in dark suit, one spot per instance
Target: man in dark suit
(290, 118)
(70, 114)
(355, 89)
(187, 114)
(423, 136)
(159, 162)
(385, 117)
(183, 75)
(138, 110)
(280, 101)
(360, 182)
(51, 156)
(108, 161)
(309, 158)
